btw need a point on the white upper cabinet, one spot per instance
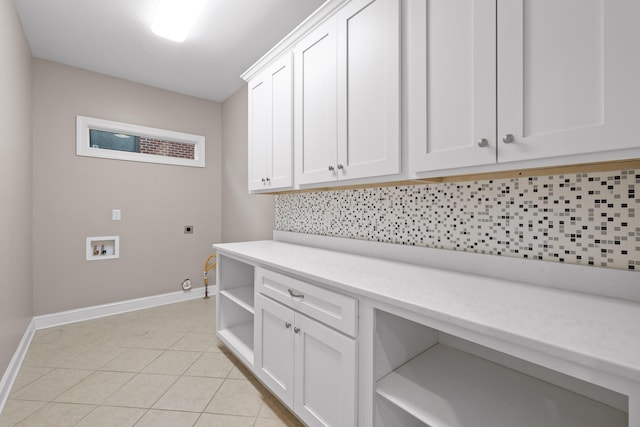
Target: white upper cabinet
(315, 105)
(271, 127)
(452, 71)
(567, 77)
(560, 74)
(347, 95)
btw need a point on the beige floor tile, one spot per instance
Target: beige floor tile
(277, 422)
(93, 357)
(48, 355)
(132, 360)
(95, 388)
(217, 420)
(272, 408)
(215, 365)
(51, 385)
(174, 323)
(157, 418)
(111, 416)
(122, 338)
(236, 397)
(239, 371)
(56, 415)
(189, 394)
(17, 410)
(195, 342)
(172, 362)
(218, 348)
(142, 391)
(27, 375)
(205, 325)
(68, 335)
(159, 340)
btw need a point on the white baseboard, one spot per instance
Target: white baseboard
(11, 373)
(87, 313)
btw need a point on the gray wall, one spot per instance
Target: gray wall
(244, 216)
(16, 292)
(74, 196)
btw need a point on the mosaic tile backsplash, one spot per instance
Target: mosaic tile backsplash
(586, 218)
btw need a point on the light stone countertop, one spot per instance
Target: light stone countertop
(598, 332)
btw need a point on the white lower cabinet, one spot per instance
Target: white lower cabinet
(309, 366)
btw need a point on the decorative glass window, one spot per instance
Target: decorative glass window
(122, 141)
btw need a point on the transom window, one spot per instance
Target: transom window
(123, 141)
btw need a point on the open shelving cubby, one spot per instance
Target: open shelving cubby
(425, 377)
(235, 305)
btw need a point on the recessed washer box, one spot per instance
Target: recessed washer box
(103, 247)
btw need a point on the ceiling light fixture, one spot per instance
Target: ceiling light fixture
(174, 18)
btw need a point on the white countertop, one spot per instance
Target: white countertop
(598, 332)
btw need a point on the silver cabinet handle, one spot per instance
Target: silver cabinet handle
(296, 329)
(483, 143)
(340, 166)
(508, 138)
(331, 168)
(287, 325)
(295, 294)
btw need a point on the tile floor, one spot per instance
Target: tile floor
(157, 367)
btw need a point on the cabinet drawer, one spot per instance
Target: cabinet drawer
(331, 308)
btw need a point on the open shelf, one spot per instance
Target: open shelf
(234, 306)
(243, 296)
(446, 387)
(240, 338)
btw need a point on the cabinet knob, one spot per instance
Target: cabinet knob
(267, 179)
(340, 166)
(287, 325)
(483, 143)
(331, 168)
(296, 329)
(508, 138)
(263, 180)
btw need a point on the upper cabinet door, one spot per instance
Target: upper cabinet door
(568, 77)
(451, 83)
(368, 89)
(315, 105)
(281, 74)
(259, 131)
(271, 127)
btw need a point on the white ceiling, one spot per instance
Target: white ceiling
(114, 37)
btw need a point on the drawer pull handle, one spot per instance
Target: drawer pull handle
(287, 325)
(296, 329)
(294, 294)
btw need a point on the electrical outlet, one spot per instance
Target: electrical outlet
(188, 229)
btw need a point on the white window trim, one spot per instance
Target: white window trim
(83, 147)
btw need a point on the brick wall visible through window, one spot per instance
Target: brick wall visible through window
(159, 147)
